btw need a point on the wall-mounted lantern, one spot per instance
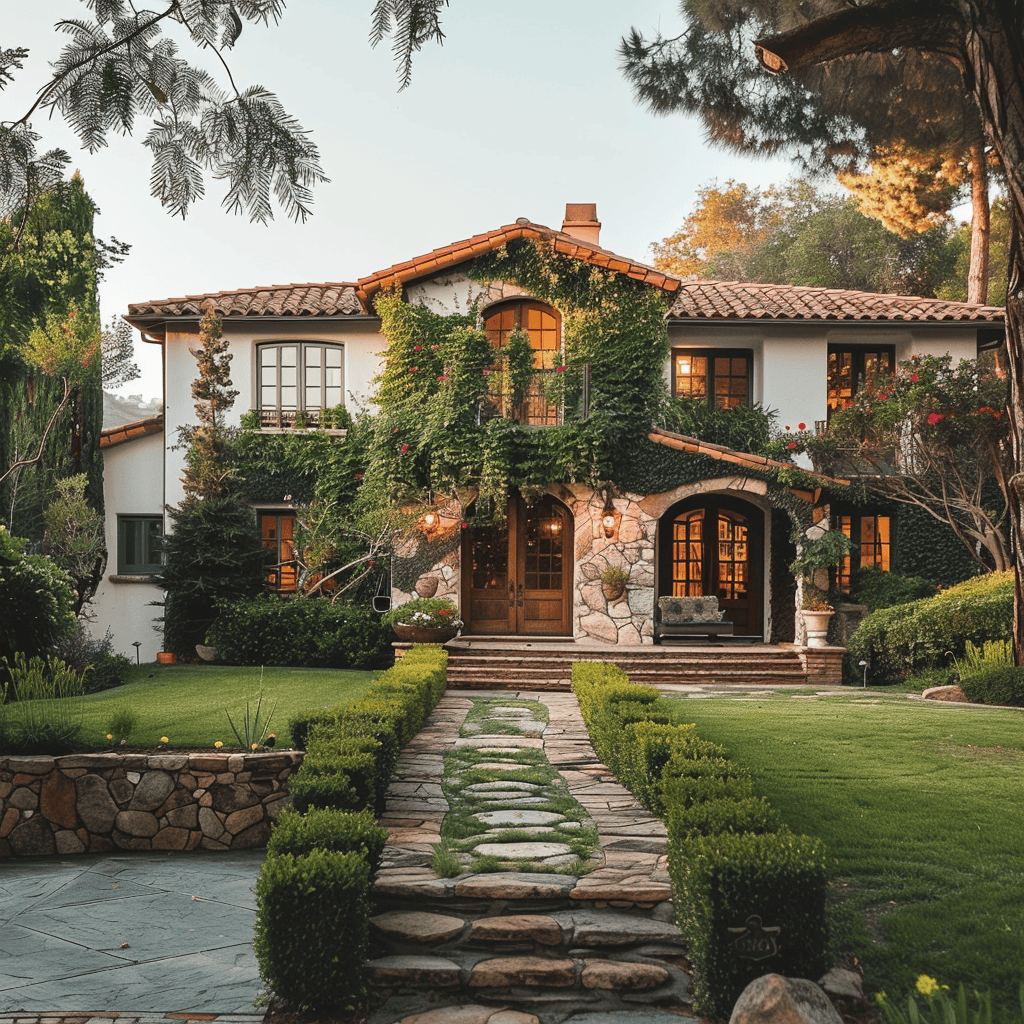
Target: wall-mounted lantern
(429, 523)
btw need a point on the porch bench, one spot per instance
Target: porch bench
(689, 620)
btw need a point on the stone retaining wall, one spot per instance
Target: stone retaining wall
(91, 803)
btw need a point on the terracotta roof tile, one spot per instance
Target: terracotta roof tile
(459, 252)
(693, 445)
(131, 431)
(328, 299)
(732, 300)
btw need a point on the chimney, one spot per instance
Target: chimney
(581, 221)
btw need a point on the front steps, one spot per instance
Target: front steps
(524, 941)
(476, 663)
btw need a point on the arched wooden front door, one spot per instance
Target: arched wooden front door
(715, 547)
(517, 577)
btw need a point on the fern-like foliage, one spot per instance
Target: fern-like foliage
(119, 68)
(410, 23)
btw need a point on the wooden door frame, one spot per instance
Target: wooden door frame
(758, 518)
(517, 512)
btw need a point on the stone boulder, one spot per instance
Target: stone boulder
(773, 999)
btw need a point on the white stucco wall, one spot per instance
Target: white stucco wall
(131, 485)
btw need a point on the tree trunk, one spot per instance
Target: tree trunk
(981, 226)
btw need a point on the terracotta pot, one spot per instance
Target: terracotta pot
(166, 658)
(425, 634)
(613, 591)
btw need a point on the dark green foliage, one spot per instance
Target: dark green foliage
(717, 817)
(720, 882)
(96, 658)
(877, 588)
(994, 684)
(332, 790)
(900, 640)
(357, 758)
(36, 601)
(312, 928)
(682, 791)
(927, 548)
(214, 554)
(744, 428)
(275, 629)
(328, 829)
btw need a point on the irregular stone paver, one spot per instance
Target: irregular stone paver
(613, 974)
(531, 971)
(414, 971)
(501, 785)
(418, 926)
(471, 1014)
(522, 851)
(518, 817)
(536, 927)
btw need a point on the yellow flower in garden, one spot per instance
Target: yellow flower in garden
(927, 986)
(218, 744)
(164, 739)
(255, 745)
(110, 735)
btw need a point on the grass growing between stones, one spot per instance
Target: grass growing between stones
(511, 784)
(923, 806)
(188, 703)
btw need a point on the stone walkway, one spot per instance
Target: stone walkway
(524, 947)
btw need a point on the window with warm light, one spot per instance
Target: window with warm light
(717, 376)
(298, 379)
(543, 325)
(852, 367)
(277, 534)
(872, 545)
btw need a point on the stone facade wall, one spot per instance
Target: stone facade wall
(90, 803)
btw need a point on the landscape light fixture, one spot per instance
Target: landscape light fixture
(864, 665)
(137, 644)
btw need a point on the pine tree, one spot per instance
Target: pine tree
(838, 119)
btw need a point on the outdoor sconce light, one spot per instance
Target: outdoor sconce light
(608, 522)
(429, 523)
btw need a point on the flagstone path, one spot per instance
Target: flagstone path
(524, 946)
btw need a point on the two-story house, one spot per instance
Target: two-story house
(717, 528)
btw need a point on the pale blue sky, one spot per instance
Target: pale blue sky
(521, 111)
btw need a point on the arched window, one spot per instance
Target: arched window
(544, 327)
(298, 379)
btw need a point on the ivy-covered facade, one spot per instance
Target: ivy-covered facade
(518, 399)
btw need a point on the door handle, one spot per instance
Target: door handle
(520, 595)
(511, 593)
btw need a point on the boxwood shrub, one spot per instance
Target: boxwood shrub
(749, 904)
(898, 641)
(276, 629)
(328, 829)
(312, 928)
(994, 684)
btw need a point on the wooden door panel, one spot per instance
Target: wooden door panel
(519, 577)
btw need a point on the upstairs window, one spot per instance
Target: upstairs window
(544, 327)
(297, 381)
(716, 376)
(851, 367)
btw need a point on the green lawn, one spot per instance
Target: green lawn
(189, 703)
(922, 804)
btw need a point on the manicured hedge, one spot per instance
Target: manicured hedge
(276, 629)
(312, 928)
(898, 641)
(749, 895)
(313, 891)
(994, 684)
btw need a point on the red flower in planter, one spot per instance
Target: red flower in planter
(934, 417)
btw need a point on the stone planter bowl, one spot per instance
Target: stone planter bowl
(425, 634)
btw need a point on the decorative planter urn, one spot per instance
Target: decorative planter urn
(425, 634)
(816, 624)
(614, 589)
